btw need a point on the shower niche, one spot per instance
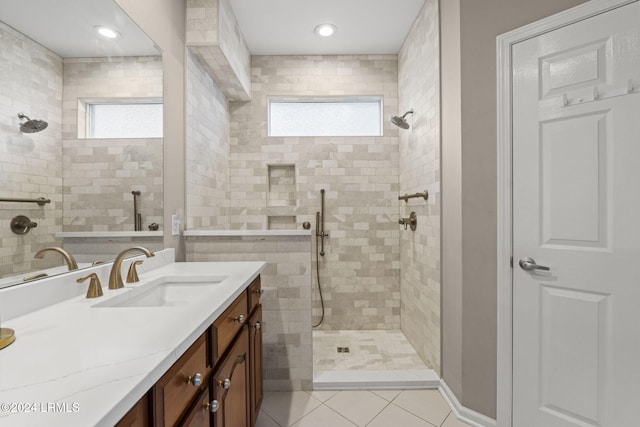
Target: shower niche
(282, 201)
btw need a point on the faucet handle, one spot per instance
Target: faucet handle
(132, 274)
(95, 287)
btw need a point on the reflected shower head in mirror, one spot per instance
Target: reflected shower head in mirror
(400, 121)
(31, 126)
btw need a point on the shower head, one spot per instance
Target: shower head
(400, 121)
(31, 126)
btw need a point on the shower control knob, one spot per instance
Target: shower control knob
(306, 225)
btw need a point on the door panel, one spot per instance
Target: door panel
(576, 209)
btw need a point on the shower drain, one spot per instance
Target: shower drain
(343, 349)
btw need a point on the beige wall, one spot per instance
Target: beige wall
(166, 27)
(469, 233)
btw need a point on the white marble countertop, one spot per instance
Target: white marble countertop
(73, 364)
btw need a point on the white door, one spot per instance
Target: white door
(576, 210)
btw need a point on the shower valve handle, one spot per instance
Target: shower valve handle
(411, 222)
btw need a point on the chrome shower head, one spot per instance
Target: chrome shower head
(31, 126)
(400, 121)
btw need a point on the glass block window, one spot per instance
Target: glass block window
(124, 120)
(353, 116)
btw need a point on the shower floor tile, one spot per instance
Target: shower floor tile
(368, 350)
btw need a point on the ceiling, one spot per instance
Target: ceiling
(286, 27)
(67, 27)
(270, 27)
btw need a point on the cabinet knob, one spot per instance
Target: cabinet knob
(212, 407)
(225, 384)
(239, 319)
(195, 380)
(257, 326)
(259, 291)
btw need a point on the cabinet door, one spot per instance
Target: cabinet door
(231, 385)
(255, 362)
(199, 415)
(138, 416)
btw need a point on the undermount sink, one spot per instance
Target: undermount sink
(164, 292)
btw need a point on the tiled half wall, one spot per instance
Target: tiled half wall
(286, 302)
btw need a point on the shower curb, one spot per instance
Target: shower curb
(375, 379)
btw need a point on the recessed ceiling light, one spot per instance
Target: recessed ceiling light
(107, 32)
(325, 30)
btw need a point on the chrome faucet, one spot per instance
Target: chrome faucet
(71, 262)
(115, 278)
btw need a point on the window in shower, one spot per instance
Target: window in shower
(120, 118)
(325, 116)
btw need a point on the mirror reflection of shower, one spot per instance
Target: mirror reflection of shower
(320, 235)
(31, 125)
(137, 216)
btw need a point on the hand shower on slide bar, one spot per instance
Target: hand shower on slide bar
(137, 216)
(320, 223)
(321, 235)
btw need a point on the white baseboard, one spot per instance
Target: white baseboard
(466, 415)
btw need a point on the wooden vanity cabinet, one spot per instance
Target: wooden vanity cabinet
(228, 391)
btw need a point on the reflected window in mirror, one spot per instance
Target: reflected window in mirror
(123, 119)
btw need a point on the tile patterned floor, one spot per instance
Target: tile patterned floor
(351, 408)
(368, 350)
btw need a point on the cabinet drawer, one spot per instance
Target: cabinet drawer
(224, 329)
(174, 392)
(255, 291)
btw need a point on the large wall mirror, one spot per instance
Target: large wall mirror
(80, 128)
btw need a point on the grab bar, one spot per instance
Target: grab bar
(41, 201)
(424, 195)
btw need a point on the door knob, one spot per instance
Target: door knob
(529, 264)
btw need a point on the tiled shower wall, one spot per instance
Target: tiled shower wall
(361, 269)
(207, 122)
(30, 164)
(418, 72)
(99, 174)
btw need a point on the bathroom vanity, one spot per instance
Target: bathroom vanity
(181, 347)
